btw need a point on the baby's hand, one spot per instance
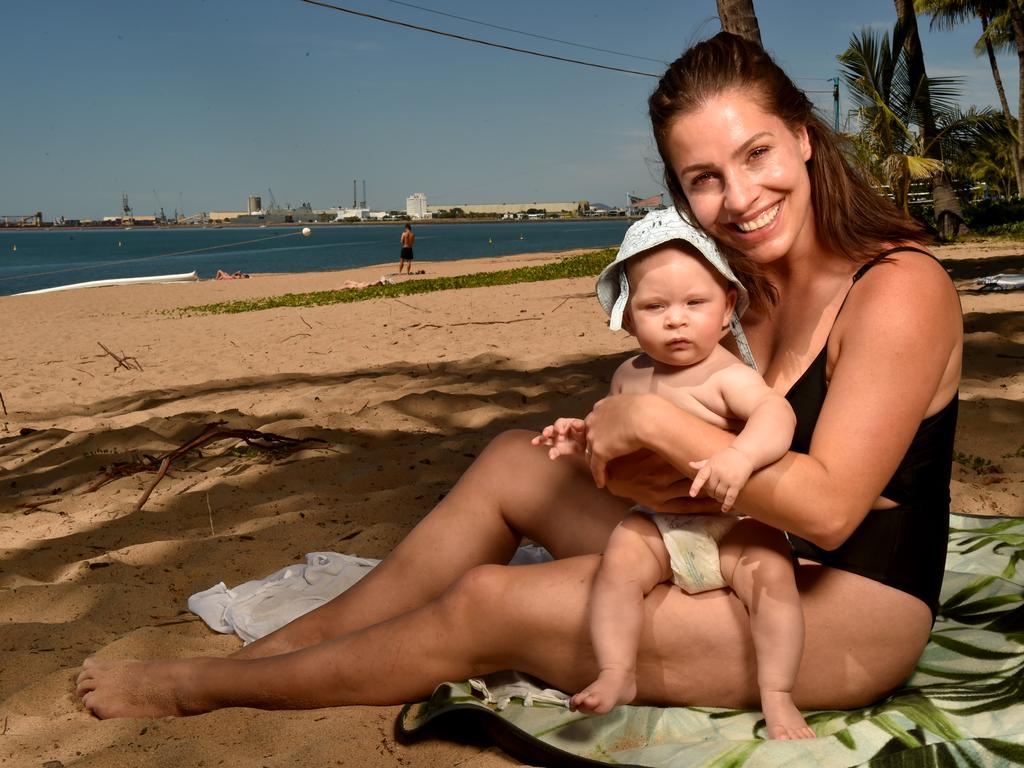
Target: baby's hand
(724, 474)
(565, 437)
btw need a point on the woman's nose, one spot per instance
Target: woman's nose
(740, 193)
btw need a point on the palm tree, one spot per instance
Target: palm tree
(738, 17)
(995, 32)
(948, 215)
(991, 162)
(889, 98)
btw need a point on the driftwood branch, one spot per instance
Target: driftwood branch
(497, 322)
(3, 403)
(123, 361)
(264, 441)
(35, 504)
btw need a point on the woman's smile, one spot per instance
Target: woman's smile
(761, 221)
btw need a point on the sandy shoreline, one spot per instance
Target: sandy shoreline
(403, 391)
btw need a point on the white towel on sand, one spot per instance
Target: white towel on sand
(256, 608)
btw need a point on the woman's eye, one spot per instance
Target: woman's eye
(758, 153)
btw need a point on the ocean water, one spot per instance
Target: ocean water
(34, 259)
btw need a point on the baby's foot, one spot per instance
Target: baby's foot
(132, 688)
(613, 686)
(782, 718)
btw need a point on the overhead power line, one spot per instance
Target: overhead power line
(419, 28)
(528, 34)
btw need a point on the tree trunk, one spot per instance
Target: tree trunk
(738, 17)
(948, 215)
(1017, 23)
(1011, 122)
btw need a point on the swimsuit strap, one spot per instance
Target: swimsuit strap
(886, 254)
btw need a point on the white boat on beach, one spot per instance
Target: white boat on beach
(185, 277)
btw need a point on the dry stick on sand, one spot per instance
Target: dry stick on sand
(3, 403)
(124, 361)
(266, 441)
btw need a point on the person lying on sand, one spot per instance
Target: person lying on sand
(222, 275)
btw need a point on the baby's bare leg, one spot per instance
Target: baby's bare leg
(634, 562)
(757, 563)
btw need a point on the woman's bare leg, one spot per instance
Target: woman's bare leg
(634, 562)
(757, 563)
(481, 520)
(693, 649)
(490, 619)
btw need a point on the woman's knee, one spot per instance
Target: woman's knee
(474, 592)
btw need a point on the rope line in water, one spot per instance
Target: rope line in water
(93, 264)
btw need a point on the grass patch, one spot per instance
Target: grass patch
(978, 464)
(587, 264)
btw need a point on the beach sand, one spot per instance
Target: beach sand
(404, 392)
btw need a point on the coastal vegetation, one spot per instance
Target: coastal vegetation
(588, 264)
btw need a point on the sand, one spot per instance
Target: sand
(403, 392)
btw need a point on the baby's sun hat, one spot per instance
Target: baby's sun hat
(658, 228)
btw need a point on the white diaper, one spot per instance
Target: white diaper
(692, 544)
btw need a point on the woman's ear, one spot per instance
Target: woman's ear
(805, 143)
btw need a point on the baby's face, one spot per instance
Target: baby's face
(679, 306)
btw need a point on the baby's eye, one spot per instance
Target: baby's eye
(696, 302)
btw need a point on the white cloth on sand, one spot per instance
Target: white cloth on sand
(256, 608)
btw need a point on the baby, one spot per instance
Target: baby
(671, 288)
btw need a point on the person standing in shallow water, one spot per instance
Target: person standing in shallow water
(865, 340)
(406, 258)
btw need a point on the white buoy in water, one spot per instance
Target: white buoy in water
(306, 231)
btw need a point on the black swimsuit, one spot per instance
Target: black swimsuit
(903, 547)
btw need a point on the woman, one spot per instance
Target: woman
(868, 355)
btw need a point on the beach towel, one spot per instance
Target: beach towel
(963, 705)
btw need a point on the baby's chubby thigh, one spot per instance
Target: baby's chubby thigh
(752, 545)
(636, 552)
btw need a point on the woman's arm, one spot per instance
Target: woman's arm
(895, 347)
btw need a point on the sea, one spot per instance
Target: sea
(33, 259)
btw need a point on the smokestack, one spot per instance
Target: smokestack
(364, 194)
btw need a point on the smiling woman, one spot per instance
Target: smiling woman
(864, 341)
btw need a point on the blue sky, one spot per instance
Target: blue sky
(199, 103)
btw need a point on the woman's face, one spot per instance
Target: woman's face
(744, 174)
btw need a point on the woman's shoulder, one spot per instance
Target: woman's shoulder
(905, 293)
(904, 269)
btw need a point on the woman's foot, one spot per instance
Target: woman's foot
(612, 687)
(137, 688)
(782, 718)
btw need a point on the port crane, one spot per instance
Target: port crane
(126, 208)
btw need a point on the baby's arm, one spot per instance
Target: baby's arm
(565, 437)
(765, 438)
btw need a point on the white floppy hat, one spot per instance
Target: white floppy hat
(658, 228)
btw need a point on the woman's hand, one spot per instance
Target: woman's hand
(613, 430)
(648, 479)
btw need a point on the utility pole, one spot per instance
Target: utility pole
(835, 103)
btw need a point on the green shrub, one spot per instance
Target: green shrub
(582, 265)
(985, 216)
